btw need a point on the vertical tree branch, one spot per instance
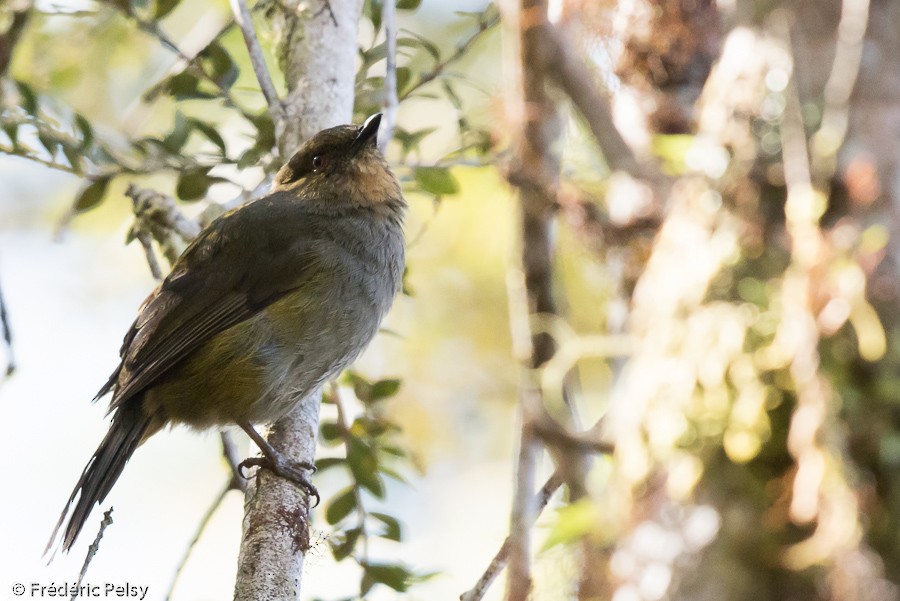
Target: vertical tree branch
(534, 172)
(244, 21)
(391, 104)
(318, 61)
(317, 57)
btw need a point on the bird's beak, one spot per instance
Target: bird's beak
(368, 133)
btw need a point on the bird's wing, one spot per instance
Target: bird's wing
(213, 286)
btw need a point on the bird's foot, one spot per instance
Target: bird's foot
(295, 471)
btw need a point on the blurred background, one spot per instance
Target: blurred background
(723, 283)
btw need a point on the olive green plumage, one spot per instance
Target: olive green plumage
(269, 302)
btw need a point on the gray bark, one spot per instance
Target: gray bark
(317, 58)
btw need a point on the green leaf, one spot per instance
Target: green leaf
(177, 138)
(410, 140)
(436, 180)
(425, 43)
(384, 389)
(265, 131)
(330, 431)
(73, 157)
(345, 546)
(393, 474)
(340, 506)
(91, 194)
(219, 65)
(364, 466)
(194, 183)
(12, 132)
(164, 7)
(365, 584)
(328, 462)
(373, 10)
(408, 4)
(404, 76)
(185, 86)
(573, 521)
(392, 526)
(49, 142)
(28, 97)
(87, 132)
(210, 132)
(395, 576)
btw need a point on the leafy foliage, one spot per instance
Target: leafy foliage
(371, 453)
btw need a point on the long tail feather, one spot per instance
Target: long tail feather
(128, 429)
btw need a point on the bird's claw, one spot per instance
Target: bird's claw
(289, 470)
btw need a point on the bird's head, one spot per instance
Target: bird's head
(342, 164)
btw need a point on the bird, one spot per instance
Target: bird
(268, 303)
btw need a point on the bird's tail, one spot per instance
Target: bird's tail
(128, 429)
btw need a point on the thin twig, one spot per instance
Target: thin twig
(92, 550)
(158, 215)
(204, 522)
(391, 103)
(362, 514)
(244, 21)
(573, 76)
(25, 153)
(147, 242)
(7, 336)
(461, 50)
(153, 28)
(502, 557)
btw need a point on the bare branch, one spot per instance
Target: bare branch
(244, 21)
(147, 242)
(158, 215)
(391, 103)
(502, 557)
(92, 550)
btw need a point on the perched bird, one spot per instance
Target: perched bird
(268, 303)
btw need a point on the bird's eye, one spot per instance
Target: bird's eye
(318, 162)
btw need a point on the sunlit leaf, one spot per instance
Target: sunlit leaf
(436, 180)
(572, 522)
